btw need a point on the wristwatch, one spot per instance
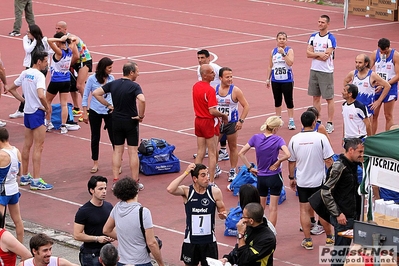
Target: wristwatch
(284, 55)
(239, 236)
(241, 120)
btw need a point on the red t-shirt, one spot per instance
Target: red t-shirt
(7, 258)
(204, 97)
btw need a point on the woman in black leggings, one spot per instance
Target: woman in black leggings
(97, 111)
(280, 77)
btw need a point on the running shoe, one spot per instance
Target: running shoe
(311, 227)
(17, 114)
(14, 33)
(81, 118)
(40, 185)
(77, 112)
(141, 186)
(3, 124)
(232, 175)
(307, 244)
(317, 230)
(218, 171)
(330, 241)
(49, 126)
(206, 154)
(213, 185)
(223, 155)
(329, 128)
(72, 127)
(25, 180)
(64, 130)
(291, 124)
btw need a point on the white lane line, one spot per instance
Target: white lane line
(45, 15)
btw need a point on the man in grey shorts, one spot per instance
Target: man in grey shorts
(321, 47)
(229, 97)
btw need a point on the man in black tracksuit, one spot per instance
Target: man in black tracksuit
(339, 193)
(256, 242)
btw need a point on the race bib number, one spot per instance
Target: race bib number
(280, 73)
(383, 75)
(201, 224)
(224, 110)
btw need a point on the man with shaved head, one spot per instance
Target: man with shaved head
(367, 82)
(82, 67)
(206, 118)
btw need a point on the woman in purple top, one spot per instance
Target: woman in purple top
(267, 146)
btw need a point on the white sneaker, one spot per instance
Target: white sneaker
(72, 127)
(17, 114)
(218, 171)
(317, 230)
(2, 124)
(213, 185)
(329, 128)
(64, 130)
(14, 33)
(141, 186)
(49, 126)
(232, 175)
(291, 125)
(223, 155)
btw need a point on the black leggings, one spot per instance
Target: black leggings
(95, 121)
(283, 88)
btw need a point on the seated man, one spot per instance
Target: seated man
(256, 241)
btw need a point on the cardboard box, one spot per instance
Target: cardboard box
(359, 10)
(383, 13)
(392, 223)
(388, 4)
(360, 2)
(385, 220)
(379, 218)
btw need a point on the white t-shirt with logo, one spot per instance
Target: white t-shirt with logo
(31, 80)
(309, 149)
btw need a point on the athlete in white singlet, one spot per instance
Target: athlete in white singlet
(280, 76)
(229, 96)
(367, 82)
(41, 246)
(386, 62)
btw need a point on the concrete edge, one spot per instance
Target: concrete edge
(58, 236)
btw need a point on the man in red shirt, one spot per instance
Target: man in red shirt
(206, 118)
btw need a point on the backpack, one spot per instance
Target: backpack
(231, 221)
(243, 177)
(146, 146)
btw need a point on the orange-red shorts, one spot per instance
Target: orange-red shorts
(206, 127)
